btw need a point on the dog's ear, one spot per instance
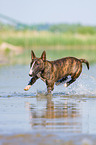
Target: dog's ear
(32, 55)
(43, 56)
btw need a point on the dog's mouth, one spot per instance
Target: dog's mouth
(34, 73)
(30, 75)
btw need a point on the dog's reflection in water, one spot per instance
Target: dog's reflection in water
(47, 113)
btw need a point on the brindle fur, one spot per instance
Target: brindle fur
(57, 71)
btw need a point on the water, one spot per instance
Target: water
(66, 115)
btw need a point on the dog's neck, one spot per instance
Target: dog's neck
(47, 66)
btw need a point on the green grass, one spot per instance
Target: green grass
(30, 39)
(49, 41)
(57, 45)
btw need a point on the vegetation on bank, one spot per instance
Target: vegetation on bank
(28, 39)
(62, 28)
(58, 40)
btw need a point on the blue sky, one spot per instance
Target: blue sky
(50, 11)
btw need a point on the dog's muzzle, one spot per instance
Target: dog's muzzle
(30, 73)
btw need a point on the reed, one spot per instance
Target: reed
(57, 45)
(31, 39)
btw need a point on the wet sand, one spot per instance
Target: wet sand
(47, 139)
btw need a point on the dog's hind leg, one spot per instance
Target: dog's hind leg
(73, 78)
(61, 81)
(69, 82)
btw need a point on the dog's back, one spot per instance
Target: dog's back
(67, 66)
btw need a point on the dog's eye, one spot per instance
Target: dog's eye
(37, 63)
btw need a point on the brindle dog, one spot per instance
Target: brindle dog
(57, 71)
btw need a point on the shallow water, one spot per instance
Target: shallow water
(66, 115)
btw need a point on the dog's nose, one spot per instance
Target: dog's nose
(30, 72)
(30, 75)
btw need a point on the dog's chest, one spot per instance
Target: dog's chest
(39, 76)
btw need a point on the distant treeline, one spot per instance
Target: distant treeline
(62, 28)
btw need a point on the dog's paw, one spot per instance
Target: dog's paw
(65, 85)
(27, 87)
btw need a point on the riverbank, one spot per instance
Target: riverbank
(47, 138)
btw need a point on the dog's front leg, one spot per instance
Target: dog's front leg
(31, 82)
(50, 87)
(27, 87)
(49, 90)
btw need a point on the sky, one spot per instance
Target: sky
(50, 11)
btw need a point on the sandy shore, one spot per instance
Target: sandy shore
(47, 139)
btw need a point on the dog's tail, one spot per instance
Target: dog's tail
(85, 61)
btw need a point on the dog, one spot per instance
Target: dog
(54, 72)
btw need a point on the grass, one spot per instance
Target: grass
(31, 38)
(57, 45)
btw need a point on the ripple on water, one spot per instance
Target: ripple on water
(68, 114)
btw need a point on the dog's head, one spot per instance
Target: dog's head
(37, 64)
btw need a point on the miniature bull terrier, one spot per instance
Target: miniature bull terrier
(54, 72)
